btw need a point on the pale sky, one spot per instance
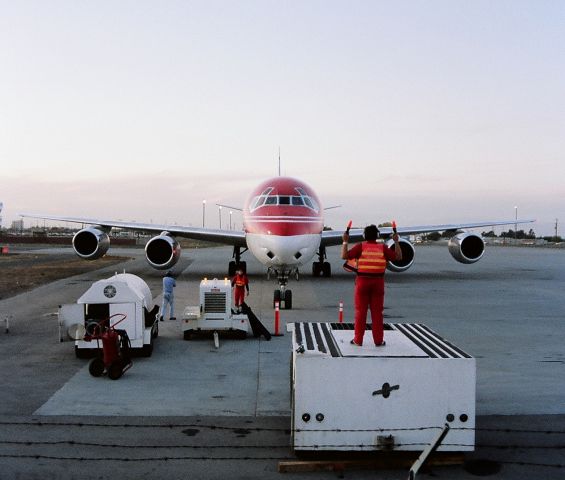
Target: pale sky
(423, 111)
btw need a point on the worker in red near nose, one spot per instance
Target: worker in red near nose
(240, 283)
(369, 285)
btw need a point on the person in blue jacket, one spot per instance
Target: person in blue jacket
(169, 284)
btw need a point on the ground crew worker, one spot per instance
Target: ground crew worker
(369, 284)
(169, 284)
(240, 283)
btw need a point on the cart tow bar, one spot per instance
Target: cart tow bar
(431, 448)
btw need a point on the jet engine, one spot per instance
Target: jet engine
(466, 247)
(163, 251)
(91, 243)
(407, 256)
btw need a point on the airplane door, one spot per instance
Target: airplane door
(71, 314)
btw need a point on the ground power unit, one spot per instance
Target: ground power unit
(214, 314)
(396, 397)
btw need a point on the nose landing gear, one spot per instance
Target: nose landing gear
(282, 295)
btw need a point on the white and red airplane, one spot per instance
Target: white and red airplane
(283, 227)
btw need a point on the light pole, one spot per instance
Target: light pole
(220, 215)
(232, 212)
(203, 213)
(516, 224)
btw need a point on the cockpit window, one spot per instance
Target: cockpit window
(308, 200)
(259, 200)
(301, 200)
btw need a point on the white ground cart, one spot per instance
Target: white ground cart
(109, 300)
(214, 314)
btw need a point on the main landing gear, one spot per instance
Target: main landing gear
(321, 267)
(236, 264)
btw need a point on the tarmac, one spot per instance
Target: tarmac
(192, 410)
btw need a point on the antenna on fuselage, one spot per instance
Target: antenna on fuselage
(279, 161)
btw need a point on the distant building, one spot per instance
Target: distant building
(17, 226)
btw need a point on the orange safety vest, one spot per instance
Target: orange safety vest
(239, 281)
(372, 260)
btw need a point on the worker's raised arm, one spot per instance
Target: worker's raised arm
(397, 249)
(344, 250)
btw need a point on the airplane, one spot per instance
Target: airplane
(283, 227)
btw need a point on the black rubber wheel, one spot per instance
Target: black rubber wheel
(96, 367)
(115, 370)
(327, 269)
(316, 269)
(231, 269)
(188, 334)
(276, 298)
(288, 299)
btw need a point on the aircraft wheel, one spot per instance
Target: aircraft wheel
(316, 269)
(288, 299)
(231, 269)
(277, 298)
(327, 269)
(96, 367)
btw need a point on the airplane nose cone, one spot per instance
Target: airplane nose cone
(277, 251)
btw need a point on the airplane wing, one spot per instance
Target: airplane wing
(335, 237)
(227, 237)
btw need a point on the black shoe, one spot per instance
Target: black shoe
(380, 344)
(173, 318)
(356, 344)
(160, 319)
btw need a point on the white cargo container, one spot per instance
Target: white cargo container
(396, 397)
(114, 297)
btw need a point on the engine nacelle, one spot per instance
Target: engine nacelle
(466, 247)
(162, 252)
(91, 243)
(407, 256)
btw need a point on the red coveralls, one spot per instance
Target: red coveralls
(240, 283)
(370, 287)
